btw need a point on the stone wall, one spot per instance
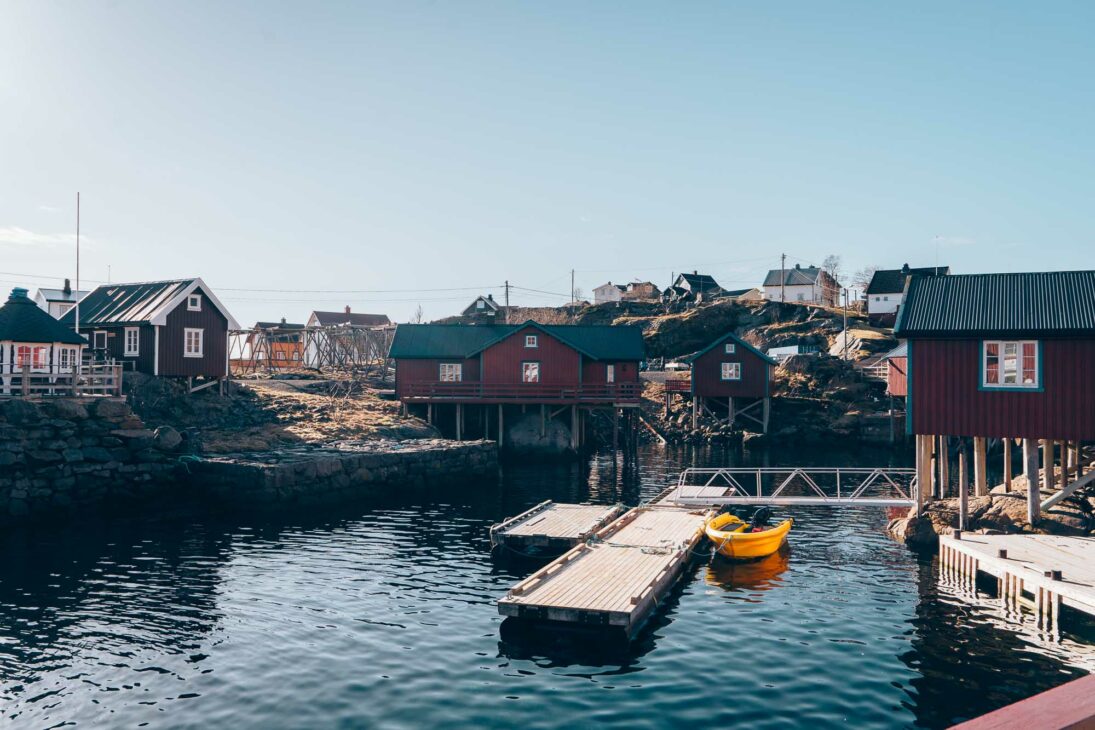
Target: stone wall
(344, 470)
(66, 454)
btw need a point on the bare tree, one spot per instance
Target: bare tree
(833, 266)
(862, 278)
(418, 315)
(579, 294)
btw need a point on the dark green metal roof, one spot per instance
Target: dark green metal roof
(735, 338)
(1046, 304)
(21, 320)
(113, 304)
(443, 341)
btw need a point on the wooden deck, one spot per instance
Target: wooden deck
(617, 579)
(1053, 570)
(553, 525)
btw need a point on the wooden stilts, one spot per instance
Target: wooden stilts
(963, 491)
(730, 410)
(615, 429)
(1030, 470)
(1007, 464)
(980, 464)
(459, 421)
(1062, 480)
(501, 425)
(695, 411)
(429, 413)
(1047, 465)
(543, 420)
(923, 471)
(944, 466)
(766, 408)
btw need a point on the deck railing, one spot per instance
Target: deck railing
(517, 392)
(91, 380)
(885, 486)
(679, 385)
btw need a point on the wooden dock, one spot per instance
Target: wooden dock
(1052, 569)
(553, 526)
(617, 578)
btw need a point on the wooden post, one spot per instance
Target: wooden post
(543, 419)
(765, 408)
(963, 490)
(615, 429)
(501, 425)
(893, 431)
(730, 410)
(1047, 464)
(923, 471)
(26, 380)
(695, 411)
(1062, 480)
(944, 466)
(429, 413)
(980, 477)
(574, 427)
(1007, 464)
(459, 421)
(1030, 469)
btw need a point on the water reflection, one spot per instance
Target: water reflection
(760, 575)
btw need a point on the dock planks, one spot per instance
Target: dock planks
(1024, 569)
(616, 579)
(553, 525)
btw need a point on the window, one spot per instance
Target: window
(731, 371)
(530, 372)
(194, 303)
(193, 342)
(1011, 364)
(729, 348)
(451, 372)
(530, 341)
(62, 309)
(66, 356)
(33, 356)
(610, 373)
(480, 304)
(132, 341)
(98, 340)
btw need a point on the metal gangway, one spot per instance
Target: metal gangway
(834, 486)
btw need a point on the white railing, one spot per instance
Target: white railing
(91, 380)
(837, 486)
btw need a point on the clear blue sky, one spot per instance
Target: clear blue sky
(422, 146)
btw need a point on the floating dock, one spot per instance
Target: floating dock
(1052, 569)
(553, 526)
(618, 576)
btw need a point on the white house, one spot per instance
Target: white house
(887, 289)
(58, 301)
(799, 285)
(608, 293)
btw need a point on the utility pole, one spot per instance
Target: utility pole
(783, 277)
(507, 294)
(572, 297)
(77, 262)
(845, 323)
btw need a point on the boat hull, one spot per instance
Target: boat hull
(721, 531)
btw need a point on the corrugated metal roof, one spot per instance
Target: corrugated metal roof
(901, 350)
(60, 295)
(892, 281)
(443, 341)
(359, 319)
(796, 276)
(1058, 303)
(21, 320)
(126, 303)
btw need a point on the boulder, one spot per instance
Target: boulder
(70, 410)
(19, 412)
(167, 438)
(112, 409)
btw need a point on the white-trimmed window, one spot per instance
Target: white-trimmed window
(98, 339)
(730, 348)
(63, 309)
(35, 357)
(451, 372)
(194, 303)
(1011, 364)
(531, 341)
(66, 358)
(132, 341)
(731, 371)
(193, 342)
(530, 372)
(610, 373)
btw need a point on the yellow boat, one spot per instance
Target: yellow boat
(727, 533)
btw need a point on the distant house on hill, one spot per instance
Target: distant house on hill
(276, 344)
(887, 289)
(609, 292)
(752, 294)
(58, 301)
(694, 287)
(174, 328)
(641, 290)
(347, 318)
(809, 285)
(484, 310)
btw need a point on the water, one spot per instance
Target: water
(360, 616)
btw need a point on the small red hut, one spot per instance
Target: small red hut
(731, 379)
(1002, 356)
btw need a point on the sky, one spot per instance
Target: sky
(387, 156)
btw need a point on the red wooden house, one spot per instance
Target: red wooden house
(731, 378)
(1002, 356)
(172, 328)
(460, 370)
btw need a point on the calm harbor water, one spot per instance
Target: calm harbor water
(384, 616)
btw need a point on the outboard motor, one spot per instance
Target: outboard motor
(761, 517)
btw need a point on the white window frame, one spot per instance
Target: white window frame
(1001, 345)
(136, 334)
(610, 373)
(63, 308)
(525, 369)
(187, 351)
(730, 371)
(95, 340)
(66, 359)
(730, 348)
(193, 302)
(532, 341)
(450, 372)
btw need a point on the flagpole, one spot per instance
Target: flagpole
(77, 262)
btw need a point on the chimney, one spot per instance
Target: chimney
(68, 287)
(695, 272)
(17, 293)
(283, 321)
(905, 269)
(347, 309)
(490, 297)
(798, 266)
